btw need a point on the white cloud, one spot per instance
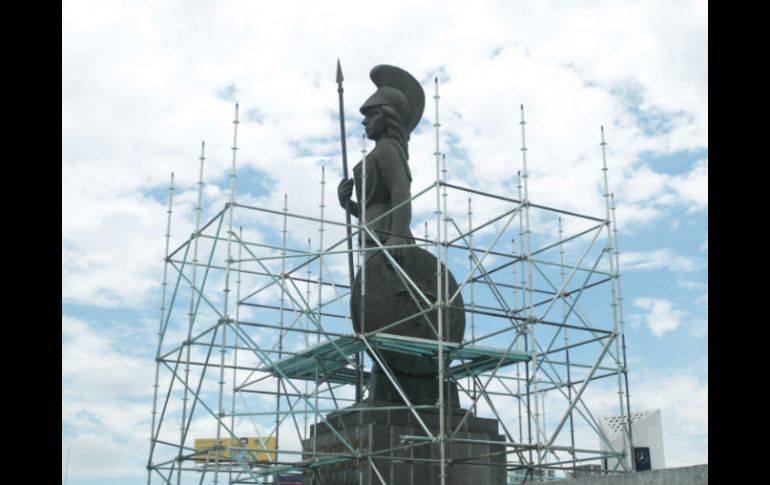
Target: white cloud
(106, 256)
(691, 188)
(101, 419)
(661, 316)
(658, 259)
(650, 194)
(92, 366)
(682, 396)
(100, 455)
(691, 284)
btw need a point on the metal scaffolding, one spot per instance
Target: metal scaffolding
(546, 321)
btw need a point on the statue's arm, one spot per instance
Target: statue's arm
(353, 207)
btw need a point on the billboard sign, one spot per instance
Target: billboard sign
(244, 449)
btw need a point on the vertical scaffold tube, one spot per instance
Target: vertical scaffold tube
(191, 312)
(316, 414)
(235, 338)
(281, 321)
(362, 236)
(439, 301)
(362, 232)
(320, 259)
(155, 386)
(622, 320)
(516, 310)
(530, 301)
(527, 383)
(307, 340)
(565, 309)
(473, 300)
(226, 307)
(615, 331)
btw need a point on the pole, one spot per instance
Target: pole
(530, 308)
(351, 273)
(565, 314)
(226, 321)
(526, 329)
(362, 220)
(191, 312)
(235, 339)
(622, 321)
(473, 302)
(154, 413)
(439, 304)
(627, 463)
(281, 322)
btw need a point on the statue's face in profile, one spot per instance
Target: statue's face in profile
(374, 123)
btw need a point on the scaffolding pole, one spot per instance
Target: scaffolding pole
(565, 315)
(626, 425)
(439, 302)
(622, 320)
(226, 308)
(191, 312)
(164, 283)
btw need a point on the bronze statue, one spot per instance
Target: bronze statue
(390, 115)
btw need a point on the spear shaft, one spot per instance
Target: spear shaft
(351, 272)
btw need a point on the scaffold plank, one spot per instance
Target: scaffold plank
(328, 360)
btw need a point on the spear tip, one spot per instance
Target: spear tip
(339, 71)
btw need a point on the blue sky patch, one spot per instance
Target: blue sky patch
(677, 163)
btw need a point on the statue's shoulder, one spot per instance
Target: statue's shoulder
(387, 150)
(390, 158)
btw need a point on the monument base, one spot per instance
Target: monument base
(397, 463)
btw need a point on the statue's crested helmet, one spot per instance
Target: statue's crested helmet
(400, 90)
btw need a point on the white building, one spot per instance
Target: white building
(646, 431)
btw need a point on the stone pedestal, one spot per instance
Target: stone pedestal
(373, 431)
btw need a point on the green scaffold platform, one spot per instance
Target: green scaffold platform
(328, 361)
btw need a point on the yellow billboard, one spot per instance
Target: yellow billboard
(246, 450)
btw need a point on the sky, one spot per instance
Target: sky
(144, 82)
